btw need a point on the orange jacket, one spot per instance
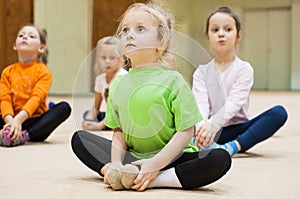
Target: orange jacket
(25, 87)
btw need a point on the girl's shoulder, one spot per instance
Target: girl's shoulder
(122, 71)
(8, 70)
(42, 68)
(9, 67)
(238, 61)
(171, 74)
(240, 64)
(101, 77)
(204, 68)
(172, 78)
(206, 65)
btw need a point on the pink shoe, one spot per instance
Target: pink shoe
(25, 136)
(6, 138)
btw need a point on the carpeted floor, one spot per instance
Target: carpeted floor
(50, 169)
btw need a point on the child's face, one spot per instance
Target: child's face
(222, 32)
(108, 58)
(28, 40)
(139, 36)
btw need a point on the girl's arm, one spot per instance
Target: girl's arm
(118, 147)
(97, 103)
(205, 131)
(237, 97)
(6, 107)
(201, 94)
(92, 114)
(151, 167)
(174, 147)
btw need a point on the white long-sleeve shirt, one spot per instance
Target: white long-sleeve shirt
(223, 98)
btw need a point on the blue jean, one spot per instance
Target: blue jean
(255, 130)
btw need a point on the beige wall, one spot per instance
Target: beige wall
(295, 75)
(69, 40)
(68, 23)
(191, 17)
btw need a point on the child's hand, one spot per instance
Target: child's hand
(205, 135)
(15, 128)
(147, 174)
(1, 132)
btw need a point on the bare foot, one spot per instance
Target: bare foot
(91, 126)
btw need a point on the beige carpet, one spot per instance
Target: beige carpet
(50, 170)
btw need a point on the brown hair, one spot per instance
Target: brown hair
(43, 57)
(43, 37)
(226, 10)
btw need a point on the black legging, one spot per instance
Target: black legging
(39, 128)
(192, 169)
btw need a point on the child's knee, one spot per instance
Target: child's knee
(280, 113)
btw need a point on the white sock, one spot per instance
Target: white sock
(167, 178)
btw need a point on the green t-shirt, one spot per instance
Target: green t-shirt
(150, 105)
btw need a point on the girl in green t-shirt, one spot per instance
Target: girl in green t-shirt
(153, 113)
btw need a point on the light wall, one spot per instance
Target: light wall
(295, 75)
(68, 23)
(191, 18)
(69, 39)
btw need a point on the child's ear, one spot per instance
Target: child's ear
(15, 47)
(42, 48)
(239, 36)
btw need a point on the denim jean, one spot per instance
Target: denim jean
(255, 130)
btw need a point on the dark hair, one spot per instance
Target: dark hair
(227, 11)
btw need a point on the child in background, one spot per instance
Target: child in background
(110, 62)
(23, 89)
(153, 112)
(222, 88)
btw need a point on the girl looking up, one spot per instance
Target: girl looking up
(23, 90)
(153, 113)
